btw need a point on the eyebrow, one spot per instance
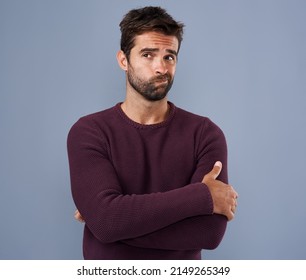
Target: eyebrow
(156, 50)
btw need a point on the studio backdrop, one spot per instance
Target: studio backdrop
(242, 64)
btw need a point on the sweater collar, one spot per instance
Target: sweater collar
(166, 122)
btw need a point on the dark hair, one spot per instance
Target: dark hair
(139, 21)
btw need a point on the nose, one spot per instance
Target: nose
(160, 67)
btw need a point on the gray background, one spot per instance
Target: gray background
(242, 63)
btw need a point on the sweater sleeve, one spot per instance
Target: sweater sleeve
(109, 214)
(195, 233)
(201, 232)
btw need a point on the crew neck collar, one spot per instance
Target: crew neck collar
(170, 116)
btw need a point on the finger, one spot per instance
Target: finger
(215, 172)
(232, 213)
(79, 219)
(232, 202)
(78, 216)
(234, 208)
(236, 195)
(230, 216)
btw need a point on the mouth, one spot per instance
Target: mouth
(162, 80)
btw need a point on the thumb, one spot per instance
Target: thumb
(216, 169)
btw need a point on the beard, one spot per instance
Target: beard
(153, 89)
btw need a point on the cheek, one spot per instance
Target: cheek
(172, 71)
(144, 70)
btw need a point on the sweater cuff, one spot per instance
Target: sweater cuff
(208, 204)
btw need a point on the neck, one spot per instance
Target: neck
(146, 112)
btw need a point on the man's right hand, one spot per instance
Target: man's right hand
(78, 216)
(224, 196)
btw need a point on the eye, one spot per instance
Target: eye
(147, 55)
(170, 58)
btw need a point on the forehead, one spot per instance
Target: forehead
(156, 40)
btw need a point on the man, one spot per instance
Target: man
(144, 172)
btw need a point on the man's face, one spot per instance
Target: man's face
(152, 65)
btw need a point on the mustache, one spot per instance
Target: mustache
(161, 78)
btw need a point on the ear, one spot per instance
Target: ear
(122, 60)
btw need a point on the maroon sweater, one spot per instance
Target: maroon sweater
(139, 187)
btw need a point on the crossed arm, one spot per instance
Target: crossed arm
(112, 216)
(206, 230)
